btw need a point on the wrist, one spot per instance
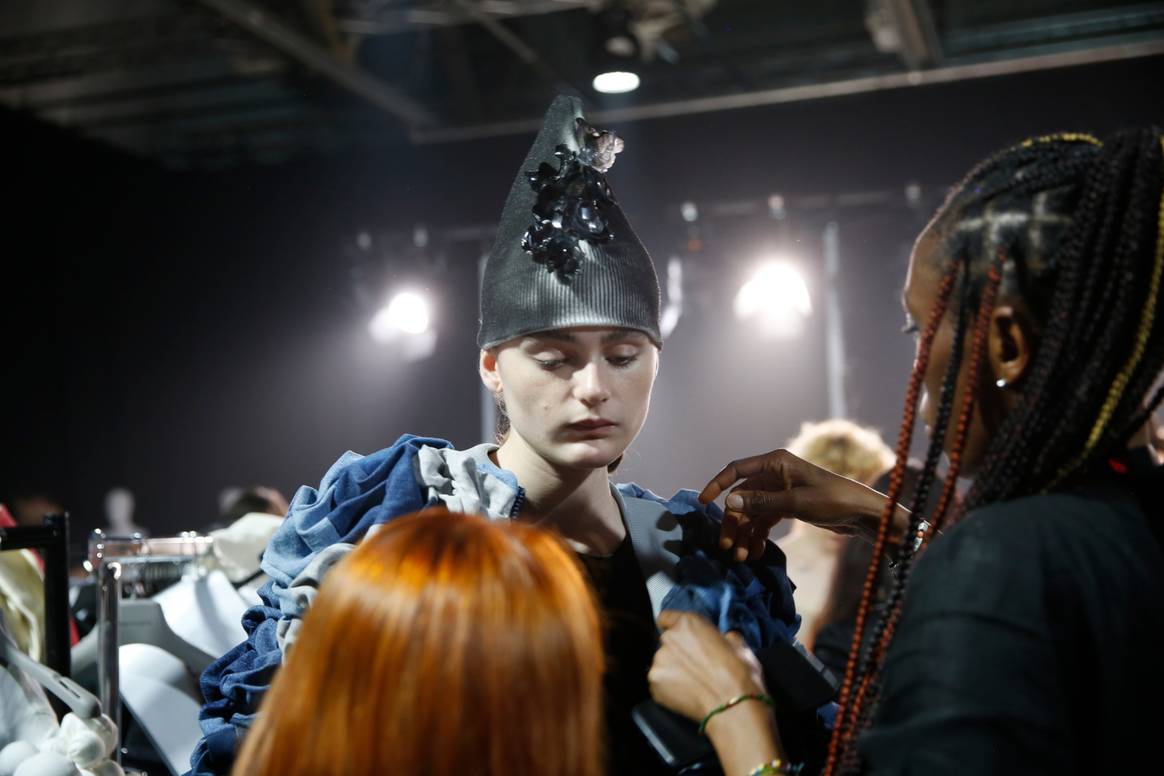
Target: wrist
(872, 508)
(744, 735)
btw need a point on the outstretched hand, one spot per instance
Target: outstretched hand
(777, 485)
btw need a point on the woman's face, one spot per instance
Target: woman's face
(922, 283)
(577, 397)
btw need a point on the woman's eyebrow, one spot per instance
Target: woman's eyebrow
(555, 334)
(622, 334)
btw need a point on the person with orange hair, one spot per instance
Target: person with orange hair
(463, 645)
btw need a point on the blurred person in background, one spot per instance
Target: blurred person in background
(29, 508)
(847, 449)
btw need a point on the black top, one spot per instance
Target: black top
(631, 640)
(1023, 643)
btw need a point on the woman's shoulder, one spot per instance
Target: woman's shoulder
(1024, 552)
(1036, 524)
(356, 492)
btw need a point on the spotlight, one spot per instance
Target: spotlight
(775, 297)
(616, 82)
(407, 313)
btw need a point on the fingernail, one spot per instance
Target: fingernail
(735, 502)
(741, 554)
(725, 543)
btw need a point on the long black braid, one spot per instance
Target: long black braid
(1074, 228)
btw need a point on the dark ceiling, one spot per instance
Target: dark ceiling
(217, 83)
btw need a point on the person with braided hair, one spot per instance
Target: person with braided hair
(1019, 617)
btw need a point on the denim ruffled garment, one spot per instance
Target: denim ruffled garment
(360, 492)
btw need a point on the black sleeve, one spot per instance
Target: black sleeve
(972, 683)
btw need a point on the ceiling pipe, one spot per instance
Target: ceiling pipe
(940, 75)
(271, 30)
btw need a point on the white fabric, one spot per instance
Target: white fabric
(205, 611)
(462, 482)
(25, 714)
(33, 744)
(164, 698)
(47, 764)
(304, 588)
(239, 546)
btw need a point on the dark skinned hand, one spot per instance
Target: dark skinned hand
(765, 489)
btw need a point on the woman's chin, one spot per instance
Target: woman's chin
(589, 454)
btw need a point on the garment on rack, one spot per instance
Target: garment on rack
(32, 743)
(238, 548)
(360, 493)
(22, 600)
(22, 595)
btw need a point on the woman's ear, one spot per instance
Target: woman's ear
(1009, 345)
(487, 367)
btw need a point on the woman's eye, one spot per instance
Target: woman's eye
(622, 360)
(550, 363)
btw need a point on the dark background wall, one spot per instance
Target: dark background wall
(178, 333)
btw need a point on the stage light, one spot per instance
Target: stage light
(775, 298)
(407, 313)
(616, 82)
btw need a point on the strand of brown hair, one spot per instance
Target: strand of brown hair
(869, 690)
(840, 731)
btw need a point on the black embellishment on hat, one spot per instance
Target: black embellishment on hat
(571, 201)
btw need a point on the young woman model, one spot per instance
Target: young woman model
(409, 659)
(569, 344)
(1019, 644)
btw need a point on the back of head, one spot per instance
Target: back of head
(1073, 226)
(444, 644)
(1068, 229)
(843, 447)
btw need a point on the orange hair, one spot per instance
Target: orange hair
(444, 644)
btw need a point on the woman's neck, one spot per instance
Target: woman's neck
(577, 503)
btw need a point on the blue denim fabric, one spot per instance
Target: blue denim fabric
(356, 493)
(752, 598)
(361, 491)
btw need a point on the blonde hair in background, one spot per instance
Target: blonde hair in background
(845, 448)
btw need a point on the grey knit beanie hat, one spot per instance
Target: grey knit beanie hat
(564, 253)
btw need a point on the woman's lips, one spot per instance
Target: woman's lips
(593, 429)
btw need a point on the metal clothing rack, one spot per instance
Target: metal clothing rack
(51, 539)
(133, 564)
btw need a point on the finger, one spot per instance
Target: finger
(736, 639)
(669, 618)
(758, 543)
(732, 473)
(765, 504)
(729, 530)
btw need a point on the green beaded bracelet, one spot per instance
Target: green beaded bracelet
(752, 696)
(777, 766)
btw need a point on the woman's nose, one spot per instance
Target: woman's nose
(591, 386)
